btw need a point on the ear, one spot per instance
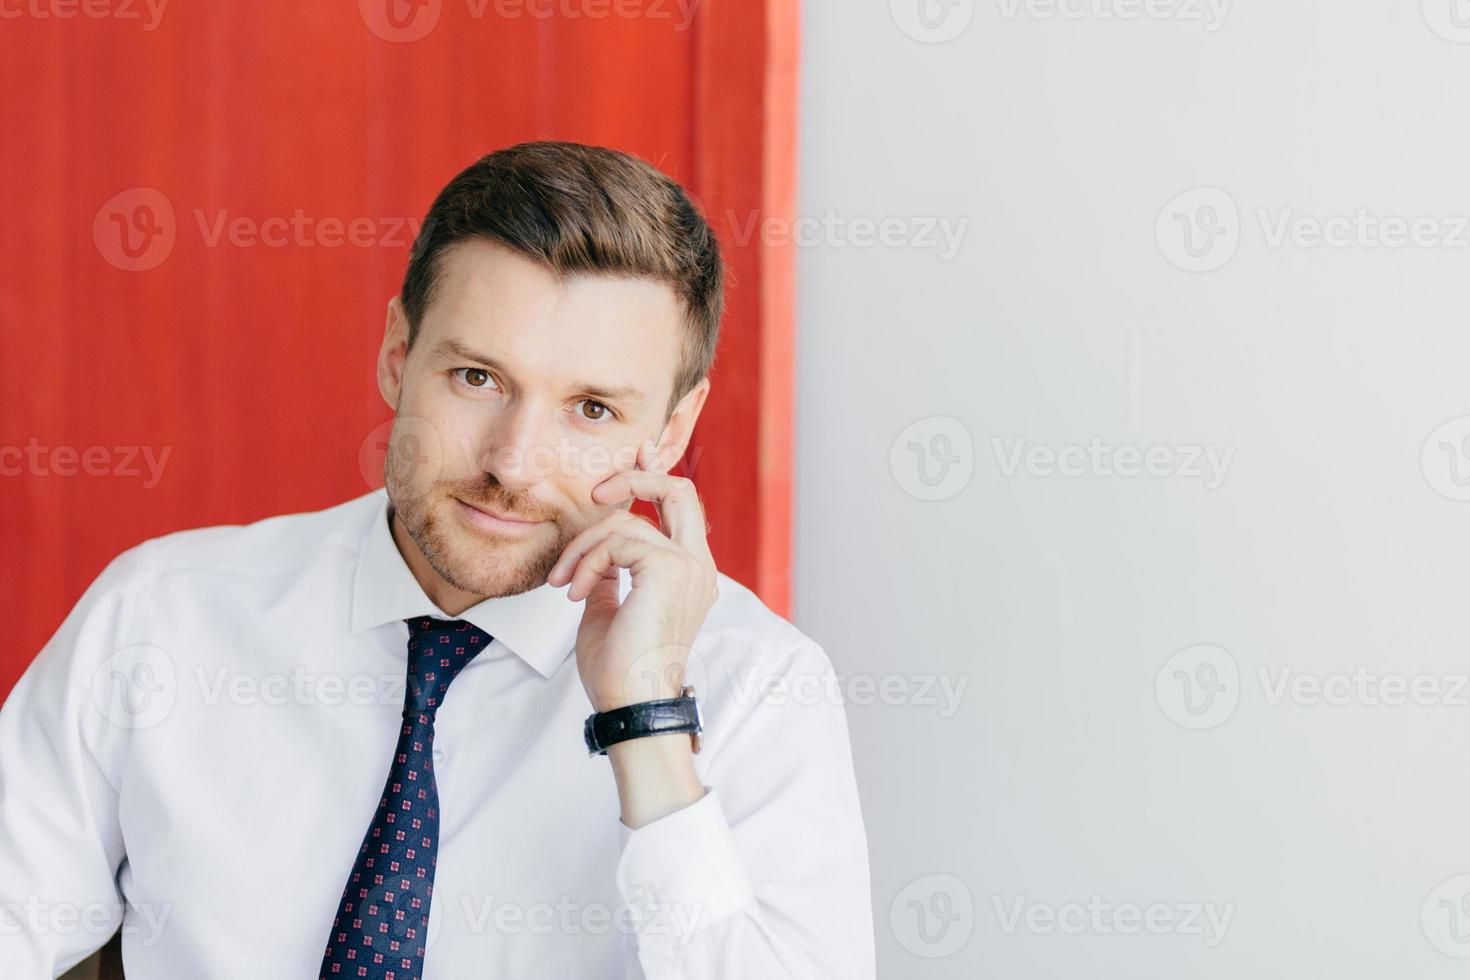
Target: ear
(393, 354)
(680, 428)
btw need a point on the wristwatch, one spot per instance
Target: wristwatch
(667, 716)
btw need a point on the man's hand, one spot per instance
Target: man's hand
(636, 650)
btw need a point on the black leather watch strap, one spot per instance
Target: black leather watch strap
(667, 716)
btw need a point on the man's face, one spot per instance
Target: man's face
(519, 396)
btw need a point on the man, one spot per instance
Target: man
(484, 722)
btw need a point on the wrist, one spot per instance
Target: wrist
(602, 703)
(653, 675)
(655, 777)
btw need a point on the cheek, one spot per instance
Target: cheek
(450, 427)
(598, 460)
(416, 457)
(572, 463)
(592, 468)
(572, 498)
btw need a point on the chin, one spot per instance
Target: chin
(484, 562)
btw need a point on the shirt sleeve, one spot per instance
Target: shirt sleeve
(767, 874)
(60, 844)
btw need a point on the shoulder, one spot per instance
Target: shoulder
(740, 616)
(746, 645)
(276, 543)
(223, 554)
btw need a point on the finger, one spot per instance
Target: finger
(650, 460)
(605, 590)
(617, 551)
(680, 512)
(645, 460)
(584, 542)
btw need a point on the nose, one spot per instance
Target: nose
(518, 447)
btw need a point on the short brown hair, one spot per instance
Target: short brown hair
(579, 209)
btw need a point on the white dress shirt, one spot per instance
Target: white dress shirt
(197, 752)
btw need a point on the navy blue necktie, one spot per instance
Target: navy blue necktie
(383, 918)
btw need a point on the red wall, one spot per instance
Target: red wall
(250, 364)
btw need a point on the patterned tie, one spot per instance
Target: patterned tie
(383, 918)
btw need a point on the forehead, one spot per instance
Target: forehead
(616, 331)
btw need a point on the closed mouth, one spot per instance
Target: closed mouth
(495, 514)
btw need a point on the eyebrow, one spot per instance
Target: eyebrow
(620, 393)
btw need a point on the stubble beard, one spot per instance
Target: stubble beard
(475, 563)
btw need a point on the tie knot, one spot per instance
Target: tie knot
(438, 650)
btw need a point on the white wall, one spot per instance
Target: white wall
(1336, 539)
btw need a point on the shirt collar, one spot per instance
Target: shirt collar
(539, 625)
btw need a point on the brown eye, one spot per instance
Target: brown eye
(601, 410)
(475, 377)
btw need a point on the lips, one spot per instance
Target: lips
(498, 515)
